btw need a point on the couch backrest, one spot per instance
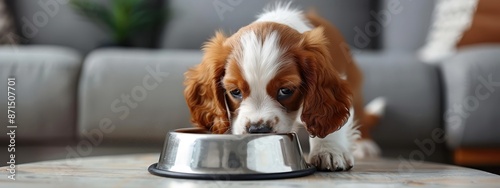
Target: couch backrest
(56, 22)
(194, 21)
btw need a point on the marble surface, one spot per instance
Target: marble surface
(131, 171)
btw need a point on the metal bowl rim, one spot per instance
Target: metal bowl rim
(205, 135)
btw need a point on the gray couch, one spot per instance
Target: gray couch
(72, 97)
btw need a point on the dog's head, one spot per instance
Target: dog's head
(264, 78)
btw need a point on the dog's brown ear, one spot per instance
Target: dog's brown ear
(204, 93)
(327, 97)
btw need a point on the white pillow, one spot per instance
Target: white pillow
(451, 18)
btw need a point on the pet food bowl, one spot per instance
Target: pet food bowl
(195, 154)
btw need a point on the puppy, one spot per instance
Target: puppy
(283, 71)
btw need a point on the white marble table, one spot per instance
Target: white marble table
(131, 171)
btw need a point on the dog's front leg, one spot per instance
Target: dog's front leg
(334, 152)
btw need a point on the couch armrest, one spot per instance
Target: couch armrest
(412, 90)
(472, 84)
(46, 83)
(133, 95)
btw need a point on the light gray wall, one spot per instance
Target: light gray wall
(194, 21)
(408, 25)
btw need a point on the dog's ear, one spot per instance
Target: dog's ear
(204, 93)
(327, 97)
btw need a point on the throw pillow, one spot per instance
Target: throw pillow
(485, 27)
(451, 18)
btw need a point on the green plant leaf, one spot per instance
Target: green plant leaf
(123, 18)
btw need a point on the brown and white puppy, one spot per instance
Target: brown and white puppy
(285, 70)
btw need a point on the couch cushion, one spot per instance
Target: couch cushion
(194, 21)
(138, 93)
(46, 83)
(472, 84)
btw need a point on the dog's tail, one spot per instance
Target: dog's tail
(373, 112)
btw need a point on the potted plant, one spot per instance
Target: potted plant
(124, 19)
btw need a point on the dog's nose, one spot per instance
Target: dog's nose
(259, 128)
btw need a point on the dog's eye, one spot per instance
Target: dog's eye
(284, 93)
(236, 93)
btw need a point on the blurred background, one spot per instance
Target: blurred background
(105, 77)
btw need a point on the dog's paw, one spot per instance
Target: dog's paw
(366, 148)
(331, 160)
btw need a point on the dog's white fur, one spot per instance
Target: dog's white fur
(260, 63)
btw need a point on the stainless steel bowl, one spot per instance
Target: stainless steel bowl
(194, 154)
